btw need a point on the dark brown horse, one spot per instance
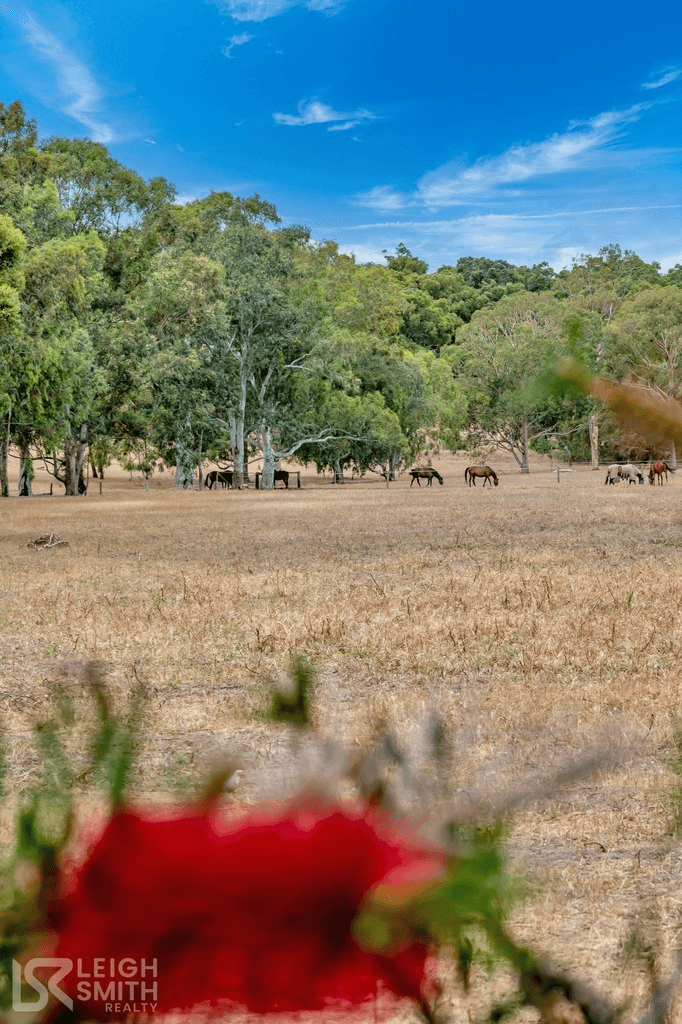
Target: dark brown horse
(280, 474)
(427, 473)
(489, 475)
(659, 469)
(223, 477)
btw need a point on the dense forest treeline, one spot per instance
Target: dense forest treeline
(135, 328)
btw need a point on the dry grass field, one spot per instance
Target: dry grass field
(541, 619)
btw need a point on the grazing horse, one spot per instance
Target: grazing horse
(425, 474)
(659, 469)
(283, 475)
(219, 476)
(628, 472)
(489, 475)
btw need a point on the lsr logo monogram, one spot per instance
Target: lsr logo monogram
(123, 989)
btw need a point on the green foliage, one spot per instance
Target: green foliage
(293, 707)
(99, 192)
(674, 275)
(10, 319)
(604, 280)
(12, 252)
(646, 338)
(675, 764)
(403, 262)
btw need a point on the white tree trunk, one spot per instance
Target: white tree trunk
(184, 457)
(524, 445)
(268, 475)
(237, 419)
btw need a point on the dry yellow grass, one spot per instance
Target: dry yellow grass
(540, 618)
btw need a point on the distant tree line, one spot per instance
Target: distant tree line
(135, 328)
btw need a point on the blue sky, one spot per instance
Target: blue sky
(525, 132)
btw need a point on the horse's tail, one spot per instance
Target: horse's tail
(466, 473)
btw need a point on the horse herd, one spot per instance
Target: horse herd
(634, 475)
(614, 474)
(470, 473)
(224, 477)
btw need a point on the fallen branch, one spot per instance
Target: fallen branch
(49, 540)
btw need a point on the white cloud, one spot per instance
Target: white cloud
(315, 112)
(571, 150)
(261, 10)
(581, 146)
(233, 41)
(501, 218)
(381, 197)
(364, 253)
(151, 142)
(669, 76)
(523, 238)
(75, 91)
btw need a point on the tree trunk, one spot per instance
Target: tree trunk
(184, 457)
(267, 481)
(524, 445)
(4, 458)
(593, 429)
(26, 473)
(74, 457)
(237, 436)
(4, 467)
(337, 477)
(672, 459)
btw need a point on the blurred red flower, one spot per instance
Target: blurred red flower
(255, 912)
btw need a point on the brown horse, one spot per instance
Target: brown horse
(428, 474)
(489, 475)
(659, 469)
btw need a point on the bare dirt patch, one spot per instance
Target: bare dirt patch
(539, 617)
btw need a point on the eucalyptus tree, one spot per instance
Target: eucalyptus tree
(646, 343)
(62, 384)
(266, 337)
(12, 250)
(162, 353)
(497, 360)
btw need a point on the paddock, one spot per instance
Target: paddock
(538, 619)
